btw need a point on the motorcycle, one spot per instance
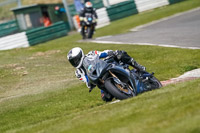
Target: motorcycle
(90, 23)
(118, 80)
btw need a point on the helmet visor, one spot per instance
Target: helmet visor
(75, 61)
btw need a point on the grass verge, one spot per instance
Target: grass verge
(174, 108)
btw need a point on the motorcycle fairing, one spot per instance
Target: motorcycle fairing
(95, 67)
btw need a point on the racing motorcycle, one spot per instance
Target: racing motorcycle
(90, 23)
(118, 80)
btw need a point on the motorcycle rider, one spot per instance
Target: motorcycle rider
(87, 10)
(81, 62)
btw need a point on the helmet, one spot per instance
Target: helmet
(88, 5)
(75, 57)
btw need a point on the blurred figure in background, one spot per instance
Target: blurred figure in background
(46, 21)
(88, 13)
(78, 5)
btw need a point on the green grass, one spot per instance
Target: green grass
(39, 92)
(171, 109)
(5, 13)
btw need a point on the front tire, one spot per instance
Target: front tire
(113, 90)
(90, 32)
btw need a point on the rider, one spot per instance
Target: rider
(87, 10)
(80, 61)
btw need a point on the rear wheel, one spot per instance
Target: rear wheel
(116, 90)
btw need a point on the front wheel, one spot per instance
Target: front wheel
(90, 32)
(115, 90)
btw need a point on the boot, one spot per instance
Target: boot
(137, 66)
(106, 96)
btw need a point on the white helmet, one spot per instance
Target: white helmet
(75, 57)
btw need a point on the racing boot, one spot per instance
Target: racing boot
(137, 66)
(105, 96)
(125, 58)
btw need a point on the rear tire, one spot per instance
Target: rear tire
(113, 90)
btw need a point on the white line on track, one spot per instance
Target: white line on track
(150, 44)
(97, 40)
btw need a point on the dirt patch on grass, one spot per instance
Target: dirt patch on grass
(11, 66)
(16, 69)
(176, 80)
(44, 54)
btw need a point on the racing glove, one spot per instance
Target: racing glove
(80, 74)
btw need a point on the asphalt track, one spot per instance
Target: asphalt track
(180, 30)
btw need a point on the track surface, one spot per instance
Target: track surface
(181, 30)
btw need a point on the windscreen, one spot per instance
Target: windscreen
(94, 66)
